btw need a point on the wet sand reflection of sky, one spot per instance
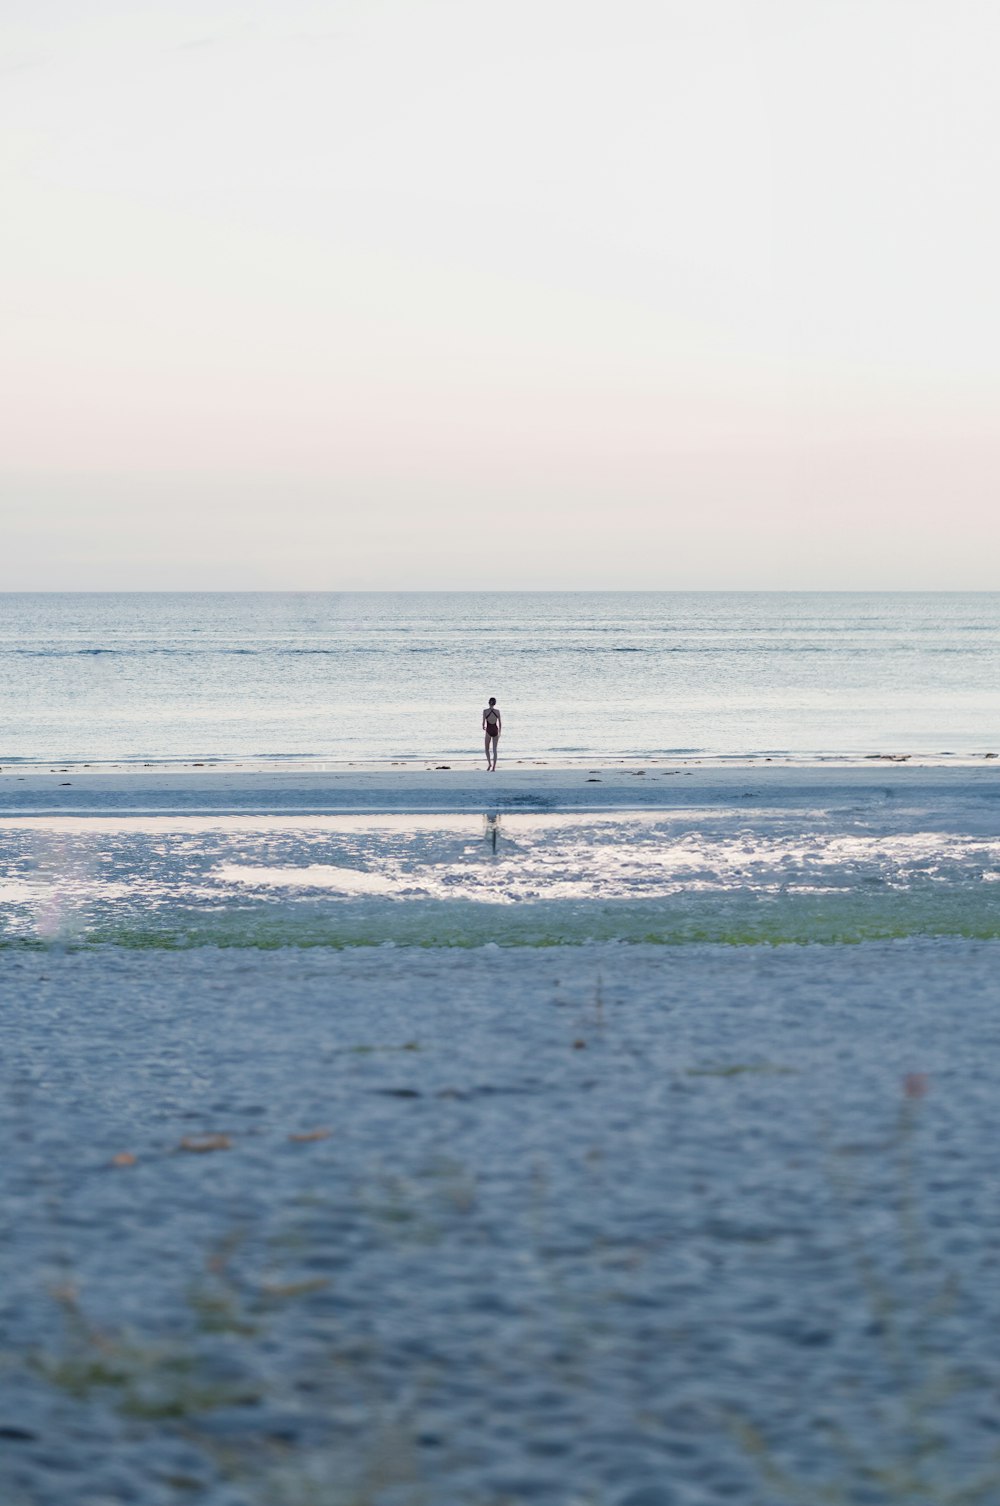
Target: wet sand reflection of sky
(67, 874)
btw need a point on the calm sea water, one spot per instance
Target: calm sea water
(332, 676)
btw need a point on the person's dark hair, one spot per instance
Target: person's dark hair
(493, 700)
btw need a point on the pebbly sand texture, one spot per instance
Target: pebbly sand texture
(606, 1224)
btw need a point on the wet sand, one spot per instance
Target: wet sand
(286, 787)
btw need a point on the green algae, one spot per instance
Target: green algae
(742, 920)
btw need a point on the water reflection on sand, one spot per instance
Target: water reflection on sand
(71, 877)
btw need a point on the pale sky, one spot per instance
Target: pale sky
(338, 294)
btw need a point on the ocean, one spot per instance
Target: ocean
(333, 676)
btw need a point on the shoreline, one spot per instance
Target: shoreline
(528, 786)
(474, 759)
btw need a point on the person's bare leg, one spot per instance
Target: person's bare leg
(488, 752)
(494, 741)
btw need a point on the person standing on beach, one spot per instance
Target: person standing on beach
(491, 726)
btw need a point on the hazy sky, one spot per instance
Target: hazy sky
(433, 293)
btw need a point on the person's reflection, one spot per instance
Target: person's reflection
(491, 829)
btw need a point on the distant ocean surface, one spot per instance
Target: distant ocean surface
(329, 676)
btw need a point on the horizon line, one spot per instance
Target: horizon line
(500, 591)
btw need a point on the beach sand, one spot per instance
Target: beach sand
(270, 787)
(496, 1225)
(595, 1224)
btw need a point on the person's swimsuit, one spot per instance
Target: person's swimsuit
(492, 724)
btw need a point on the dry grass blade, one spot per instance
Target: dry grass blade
(201, 1144)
